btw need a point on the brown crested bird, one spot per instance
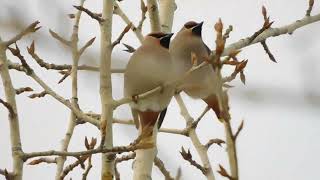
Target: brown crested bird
(200, 83)
(150, 66)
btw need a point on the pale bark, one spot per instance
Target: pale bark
(107, 171)
(167, 8)
(118, 11)
(200, 148)
(142, 168)
(16, 147)
(153, 12)
(143, 162)
(271, 32)
(74, 78)
(226, 118)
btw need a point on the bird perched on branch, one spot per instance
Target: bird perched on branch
(149, 67)
(200, 83)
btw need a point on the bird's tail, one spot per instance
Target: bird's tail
(148, 120)
(161, 117)
(213, 103)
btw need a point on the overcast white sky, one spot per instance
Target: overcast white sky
(281, 132)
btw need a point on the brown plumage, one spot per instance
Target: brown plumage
(150, 66)
(200, 83)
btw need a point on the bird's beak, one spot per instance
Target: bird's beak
(196, 30)
(168, 35)
(165, 40)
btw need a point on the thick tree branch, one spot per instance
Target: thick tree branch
(107, 163)
(167, 8)
(153, 12)
(60, 173)
(10, 93)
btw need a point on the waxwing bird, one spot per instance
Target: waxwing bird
(200, 83)
(150, 66)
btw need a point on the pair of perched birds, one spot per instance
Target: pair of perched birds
(158, 61)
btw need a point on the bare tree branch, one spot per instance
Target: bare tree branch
(214, 141)
(59, 38)
(43, 160)
(159, 163)
(200, 148)
(118, 11)
(308, 12)
(30, 29)
(23, 89)
(95, 16)
(125, 30)
(238, 130)
(267, 50)
(116, 149)
(188, 157)
(9, 91)
(9, 107)
(153, 12)
(271, 32)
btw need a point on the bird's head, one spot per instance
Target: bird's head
(162, 38)
(193, 28)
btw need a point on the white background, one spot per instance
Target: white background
(280, 103)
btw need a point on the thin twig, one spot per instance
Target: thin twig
(227, 33)
(144, 10)
(238, 130)
(59, 38)
(118, 11)
(38, 95)
(188, 157)
(88, 44)
(125, 30)
(308, 12)
(159, 163)
(271, 32)
(116, 149)
(70, 167)
(9, 107)
(30, 29)
(44, 64)
(200, 148)
(23, 89)
(87, 170)
(33, 75)
(214, 141)
(6, 174)
(95, 16)
(43, 160)
(223, 172)
(267, 50)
